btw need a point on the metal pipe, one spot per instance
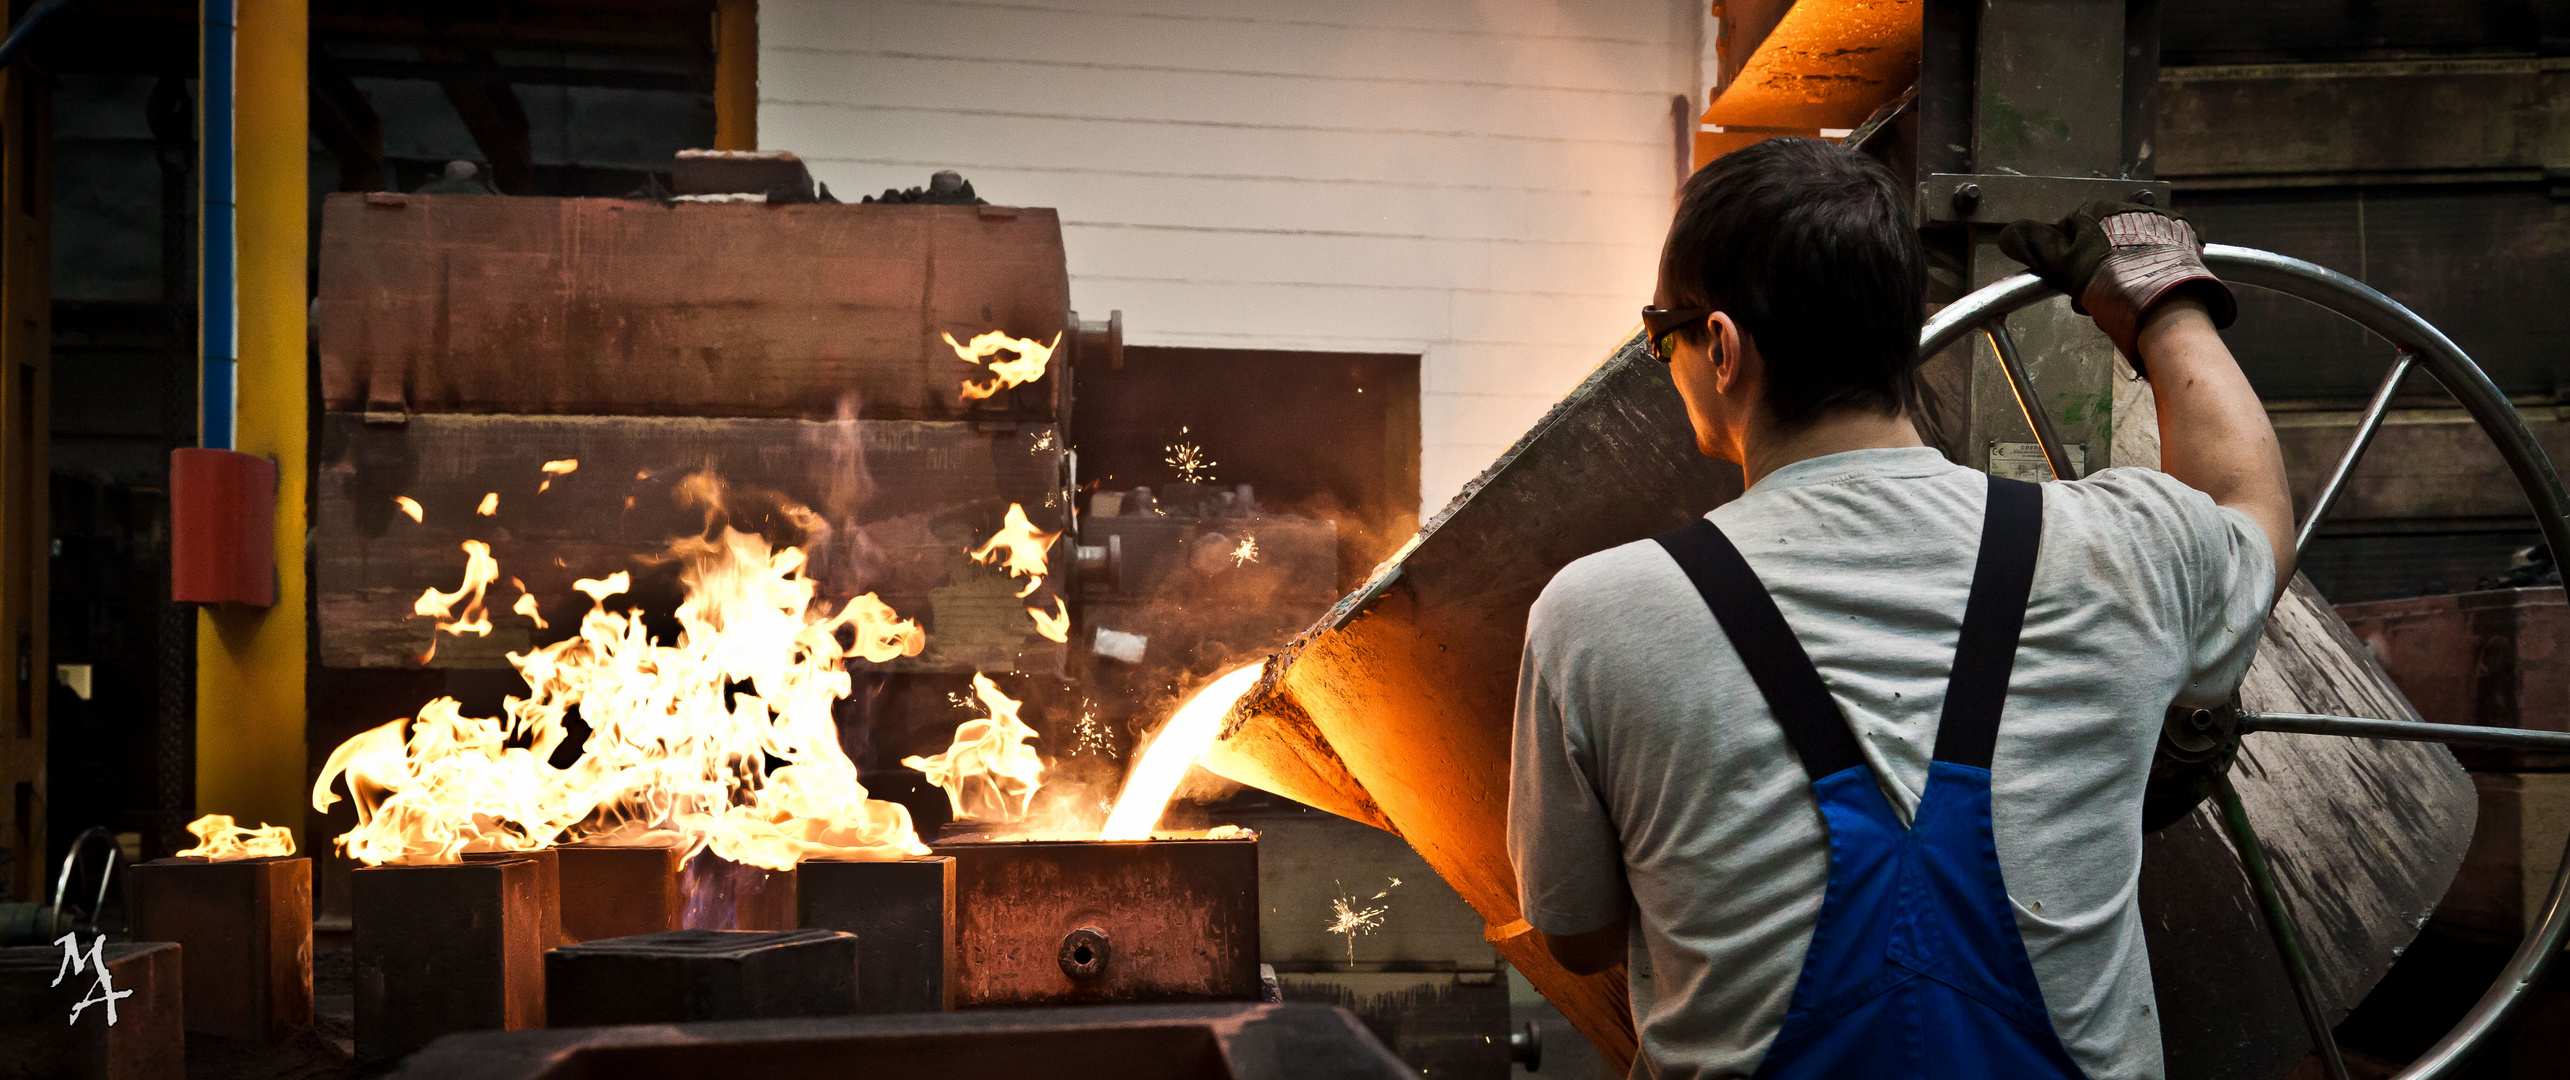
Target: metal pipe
(218, 286)
(2357, 727)
(2534, 473)
(2038, 418)
(2297, 966)
(2365, 431)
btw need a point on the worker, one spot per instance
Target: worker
(1850, 770)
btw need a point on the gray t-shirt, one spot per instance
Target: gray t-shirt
(1649, 776)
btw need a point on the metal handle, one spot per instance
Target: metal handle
(2365, 431)
(2038, 418)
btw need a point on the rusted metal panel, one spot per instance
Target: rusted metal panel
(459, 303)
(1827, 64)
(1113, 1042)
(2506, 876)
(247, 927)
(548, 886)
(2495, 658)
(2392, 120)
(1052, 923)
(41, 1039)
(719, 894)
(442, 948)
(905, 502)
(903, 913)
(686, 975)
(611, 891)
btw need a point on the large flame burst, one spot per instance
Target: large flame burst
(989, 773)
(681, 740)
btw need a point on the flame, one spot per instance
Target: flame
(410, 506)
(1055, 625)
(1180, 742)
(490, 504)
(1025, 546)
(989, 774)
(721, 741)
(480, 570)
(561, 467)
(1028, 367)
(526, 605)
(217, 838)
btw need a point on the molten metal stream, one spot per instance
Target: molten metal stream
(1181, 741)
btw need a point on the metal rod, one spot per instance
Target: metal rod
(2297, 964)
(2357, 727)
(2365, 432)
(2037, 418)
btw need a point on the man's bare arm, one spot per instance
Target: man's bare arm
(1594, 951)
(2214, 434)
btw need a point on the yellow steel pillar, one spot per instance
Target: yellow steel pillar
(250, 661)
(736, 75)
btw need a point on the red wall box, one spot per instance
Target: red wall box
(223, 527)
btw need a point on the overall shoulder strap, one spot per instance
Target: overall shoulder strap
(2002, 578)
(1767, 646)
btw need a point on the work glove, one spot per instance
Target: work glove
(2117, 261)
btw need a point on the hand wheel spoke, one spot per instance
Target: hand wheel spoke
(2297, 964)
(2365, 431)
(2038, 419)
(2357, 727)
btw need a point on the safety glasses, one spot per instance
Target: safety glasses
(1661, 325)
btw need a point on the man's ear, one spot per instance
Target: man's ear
(1722, 350)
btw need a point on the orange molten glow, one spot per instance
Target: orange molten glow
(217, 838)
(1025, 547)
(1181, 741)
(1028, 367)
(526, 605)
(563, 467)
(989, 773)
(480, 570)
(720, 741)
(1055, 625)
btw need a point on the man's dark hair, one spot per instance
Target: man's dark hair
(1808, 246)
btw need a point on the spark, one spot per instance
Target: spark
(1090, 735)
(490, 505)
(1190, 461)
(1043, 442)
(410, 506)
(1352, 917)
(1246, 553)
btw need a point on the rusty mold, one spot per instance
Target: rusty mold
(246, 926)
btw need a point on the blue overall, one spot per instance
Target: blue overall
(1916, 968)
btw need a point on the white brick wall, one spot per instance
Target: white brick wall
(1481, 182)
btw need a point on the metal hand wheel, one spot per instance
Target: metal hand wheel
(2210, 737)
